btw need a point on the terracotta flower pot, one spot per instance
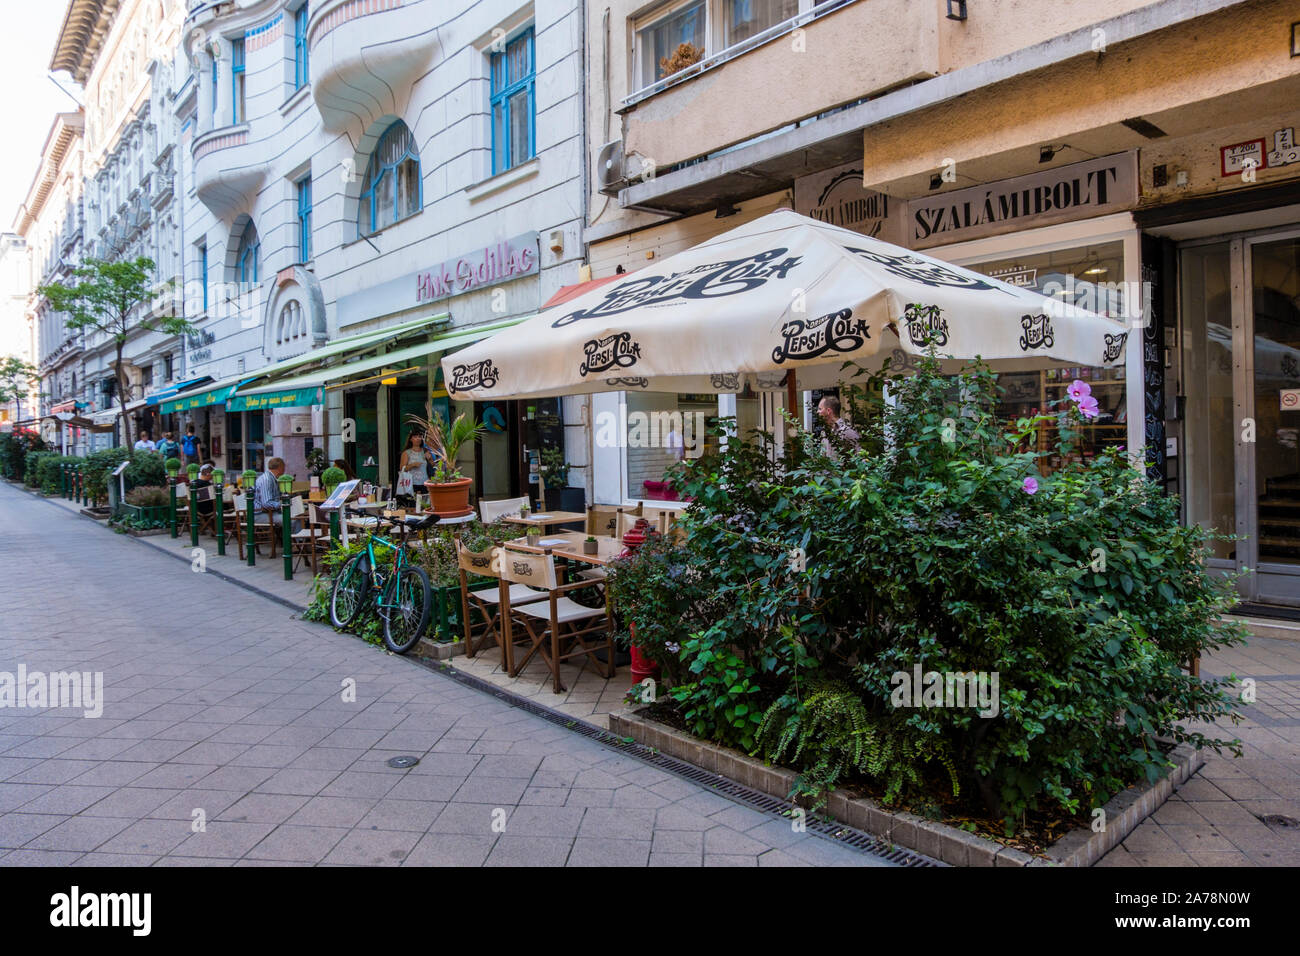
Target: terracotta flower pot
(450, 499)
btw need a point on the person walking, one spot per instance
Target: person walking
(168, 447)
(191, 447)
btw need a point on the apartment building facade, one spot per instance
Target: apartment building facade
(1137, 158)
(366, 185)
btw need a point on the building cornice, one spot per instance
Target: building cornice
(85, 26)
(65, 128)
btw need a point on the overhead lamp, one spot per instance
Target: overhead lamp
(936, 181)
(1047, 153)
(956, 9)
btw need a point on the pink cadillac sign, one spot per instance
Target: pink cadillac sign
(483, 267)
(502, 261)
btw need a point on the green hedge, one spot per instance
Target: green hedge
(14, 448)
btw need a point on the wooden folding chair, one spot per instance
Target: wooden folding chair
(306, 541)
(490, 511)
(602, 520)
(261, 533)
(559, 628)
(487, 600)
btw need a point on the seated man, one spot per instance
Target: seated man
(266, 493)
(204, 480)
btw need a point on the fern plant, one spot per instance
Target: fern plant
(829, 735)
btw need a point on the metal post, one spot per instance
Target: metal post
(171, 484)
(286, 537)
(219, 482)
(249, 544)
(334, 528)
(194, 516)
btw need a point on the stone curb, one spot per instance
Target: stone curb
(1081, 847)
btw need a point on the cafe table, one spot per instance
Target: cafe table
(544, 519)
(568, 544)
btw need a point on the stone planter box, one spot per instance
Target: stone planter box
(937, 840)
(99, 514)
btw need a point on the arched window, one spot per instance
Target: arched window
(247, 258)
(391, 189)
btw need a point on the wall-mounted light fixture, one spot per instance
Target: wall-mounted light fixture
(936, 181)
(956, 9)
(1046, 153)
(1295, 39)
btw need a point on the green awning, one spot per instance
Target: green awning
(281, 398)
(294, 389)
(215, 394)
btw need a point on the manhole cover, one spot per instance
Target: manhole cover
(1277, 820)
(401, 763)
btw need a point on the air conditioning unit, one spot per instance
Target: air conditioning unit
(610, 172)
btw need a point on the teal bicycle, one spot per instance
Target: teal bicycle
(399, 591)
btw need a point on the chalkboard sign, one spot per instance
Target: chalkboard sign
(339, 495)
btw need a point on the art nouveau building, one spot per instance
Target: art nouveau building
(366, 185)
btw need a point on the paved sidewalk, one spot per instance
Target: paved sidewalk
(221, 706)
(1233, 812)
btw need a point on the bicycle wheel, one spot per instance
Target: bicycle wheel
(350, 591)
(405, 608)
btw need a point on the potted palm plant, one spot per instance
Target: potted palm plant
(448, 488)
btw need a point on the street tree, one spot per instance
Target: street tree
(17, 377)
(115, 299)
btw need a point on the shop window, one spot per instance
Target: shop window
(513, 104)
(660, 430)
(392, 188)
(1091, 278)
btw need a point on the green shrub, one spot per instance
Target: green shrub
(96, 469)
(332, 476)
(49, 470)
(149, 496)
(38, 465)
(146, 468)
(1085, 599)
(172, 464)
(14, 448)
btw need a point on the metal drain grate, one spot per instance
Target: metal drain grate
(755, 799)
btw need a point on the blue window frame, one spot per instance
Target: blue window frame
(514, 138)
(214, 86)
(237, 80)
(304, 219)
(300, 47)
(393, 189)
(203, 273)
(247, 265)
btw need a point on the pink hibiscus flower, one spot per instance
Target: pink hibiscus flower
(1030, 486)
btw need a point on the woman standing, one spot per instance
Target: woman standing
(416, 461)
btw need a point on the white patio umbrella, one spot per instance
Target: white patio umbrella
(782, 294)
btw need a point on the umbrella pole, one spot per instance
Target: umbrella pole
(792, 396)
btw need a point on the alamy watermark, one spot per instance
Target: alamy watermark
(682, 433)
(80, 690)
(954, 689)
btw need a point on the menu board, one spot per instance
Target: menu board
(339, 495)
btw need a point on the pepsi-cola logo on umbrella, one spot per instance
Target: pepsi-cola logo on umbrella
(613, 351)
(834, 332)
(1038, 332)
(475, 375)
(701, 282)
